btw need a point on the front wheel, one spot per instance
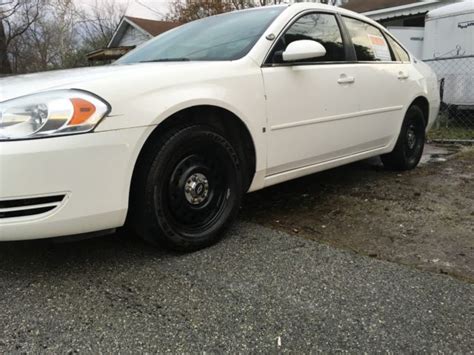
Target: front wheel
(411, 141)
(190, 191)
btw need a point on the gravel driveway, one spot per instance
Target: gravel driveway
(422, 218)
(265, 287)
(256, 290)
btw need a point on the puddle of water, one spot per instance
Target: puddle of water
(437, 154)
(435, 158)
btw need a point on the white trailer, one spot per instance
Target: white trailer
(411, 37)
(448, 47)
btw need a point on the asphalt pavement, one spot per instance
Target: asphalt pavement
(257, 290)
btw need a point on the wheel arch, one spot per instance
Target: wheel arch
(222, 120)
(423, 103)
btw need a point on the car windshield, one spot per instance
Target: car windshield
(217, 38)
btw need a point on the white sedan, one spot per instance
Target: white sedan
(169, 137)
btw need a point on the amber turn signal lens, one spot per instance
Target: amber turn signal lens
(83, 110)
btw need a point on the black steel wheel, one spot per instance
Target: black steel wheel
(411, 141)
(191, 189)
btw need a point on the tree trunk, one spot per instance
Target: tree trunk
(5, 66)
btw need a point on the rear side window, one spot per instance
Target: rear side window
(400, 54)
(322, 28)
(369, 42)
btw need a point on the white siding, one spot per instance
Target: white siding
(133, 37)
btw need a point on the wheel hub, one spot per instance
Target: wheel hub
(411, 137)
(196, 189)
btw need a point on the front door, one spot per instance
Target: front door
(311, 104)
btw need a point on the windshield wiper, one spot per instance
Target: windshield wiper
(166, 60)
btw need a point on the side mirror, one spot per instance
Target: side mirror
(303, 49)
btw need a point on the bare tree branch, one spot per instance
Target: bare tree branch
(149, 8)
(31, 14)
(16, 17)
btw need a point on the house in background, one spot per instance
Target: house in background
(130, 33)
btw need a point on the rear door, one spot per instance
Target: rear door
(383, 84)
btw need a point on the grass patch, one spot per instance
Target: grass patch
(451, 133)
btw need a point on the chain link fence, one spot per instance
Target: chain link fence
(456, 81)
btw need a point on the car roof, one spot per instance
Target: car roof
(301, 6)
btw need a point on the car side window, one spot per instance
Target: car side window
(400, 53)
(319, 27)
(369, 42)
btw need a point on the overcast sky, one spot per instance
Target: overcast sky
(139, 8)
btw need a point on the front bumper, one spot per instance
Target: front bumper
(90, 172)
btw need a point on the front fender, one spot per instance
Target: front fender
(245, 99)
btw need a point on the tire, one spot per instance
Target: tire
(188, 190)
(411, 141)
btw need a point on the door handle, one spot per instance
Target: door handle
(402, 75)
(344, 79)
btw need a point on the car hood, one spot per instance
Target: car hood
(21, 85)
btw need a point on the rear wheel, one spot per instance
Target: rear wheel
(189, 191)
(409, 147)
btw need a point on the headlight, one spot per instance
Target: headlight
(50, 114)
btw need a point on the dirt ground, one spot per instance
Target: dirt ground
(423, 218)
